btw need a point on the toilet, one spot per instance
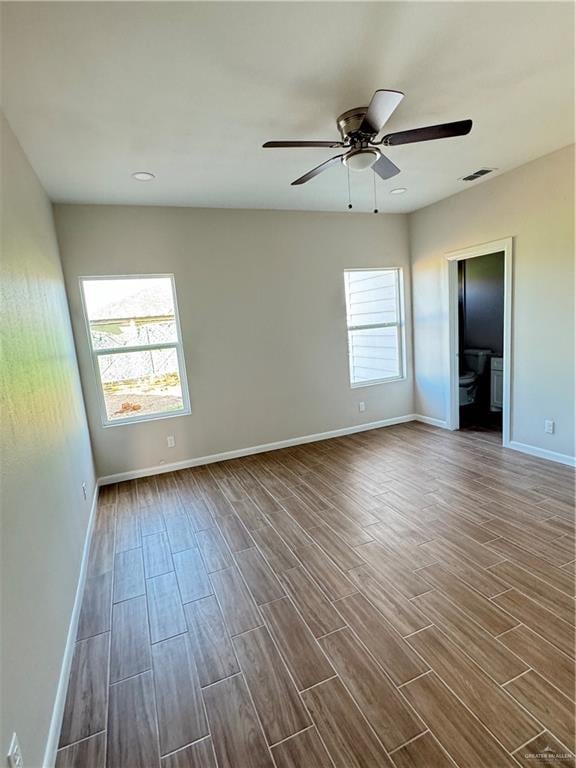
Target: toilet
(475, 362)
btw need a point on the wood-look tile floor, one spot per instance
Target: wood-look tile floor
(403, 597)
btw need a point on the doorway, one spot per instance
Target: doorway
(479, 281)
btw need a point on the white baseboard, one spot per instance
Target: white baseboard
(60, 700)
(432, 422)
(160, 468)
(543, 453)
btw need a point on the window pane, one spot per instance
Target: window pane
(374, 354)
(137, 384)
(371, 297)
(130, 311)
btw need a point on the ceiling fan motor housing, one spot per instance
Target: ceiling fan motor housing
(349, 124)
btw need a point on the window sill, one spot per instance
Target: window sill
(139, 420)
(377, 382)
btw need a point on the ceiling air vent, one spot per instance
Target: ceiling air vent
(477, 174)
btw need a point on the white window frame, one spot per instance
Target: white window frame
(96, 353)
(400, 325)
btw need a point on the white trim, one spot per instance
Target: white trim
(543, 453)
(60, 699)
(161, 468)
(506, 246)
(432, 422)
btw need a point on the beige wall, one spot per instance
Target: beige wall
(45, 457)
(261, 300)
(535, 205)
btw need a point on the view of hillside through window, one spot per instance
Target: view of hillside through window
(134, 337)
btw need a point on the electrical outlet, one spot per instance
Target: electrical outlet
(170, 442)
(14, 754)
(361, 407)
(84, 492)
(549, 427)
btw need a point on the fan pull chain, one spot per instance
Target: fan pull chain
(349, 195)
(375, 200)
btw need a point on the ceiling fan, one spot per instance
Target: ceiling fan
(359, 128)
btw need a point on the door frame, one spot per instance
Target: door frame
(452, 258)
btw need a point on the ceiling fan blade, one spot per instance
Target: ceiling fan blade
(301, 144)
(385, 168)
(431, 132)
(319, 168)
(379, 110)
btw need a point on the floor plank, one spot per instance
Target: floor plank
(554, 666)
(214, 550)
(545, 752)
(198, 755)
(557, 552)
(292, 533)
(234, 533)
(165, 612)
(211, 646)
(250, 514)
(485, 650)
(553, 599)
(87, 695)
(393, 720)
(499, 713)
(483, 611)
(396, 657)
(337, 550)
(261, 582)
(101, 554)
(132, 726)
(404, 616)
(179, 704)
(463, 736)
(300, 651)
(480, 579)
(546, 703)
(301, 512)
(279, 557)
(238, 608)
(236, 733)
(392, 570)
(95, 612)
(540, 619)
(157, 555)
(127, 532)
(275, 697)
(304, 749)
(128, 575)
(346, 734)
(424, 752)
(130, 644)
(191, 575)
(151, 520)
(316, 610)
(90, 753)
(326, 574)
(180, 531)
(535, 565)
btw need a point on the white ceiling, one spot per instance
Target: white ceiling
(190, 91)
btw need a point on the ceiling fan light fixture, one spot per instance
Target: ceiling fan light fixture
(361, 159)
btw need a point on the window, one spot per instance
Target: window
(134, 336)
(375, 328)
